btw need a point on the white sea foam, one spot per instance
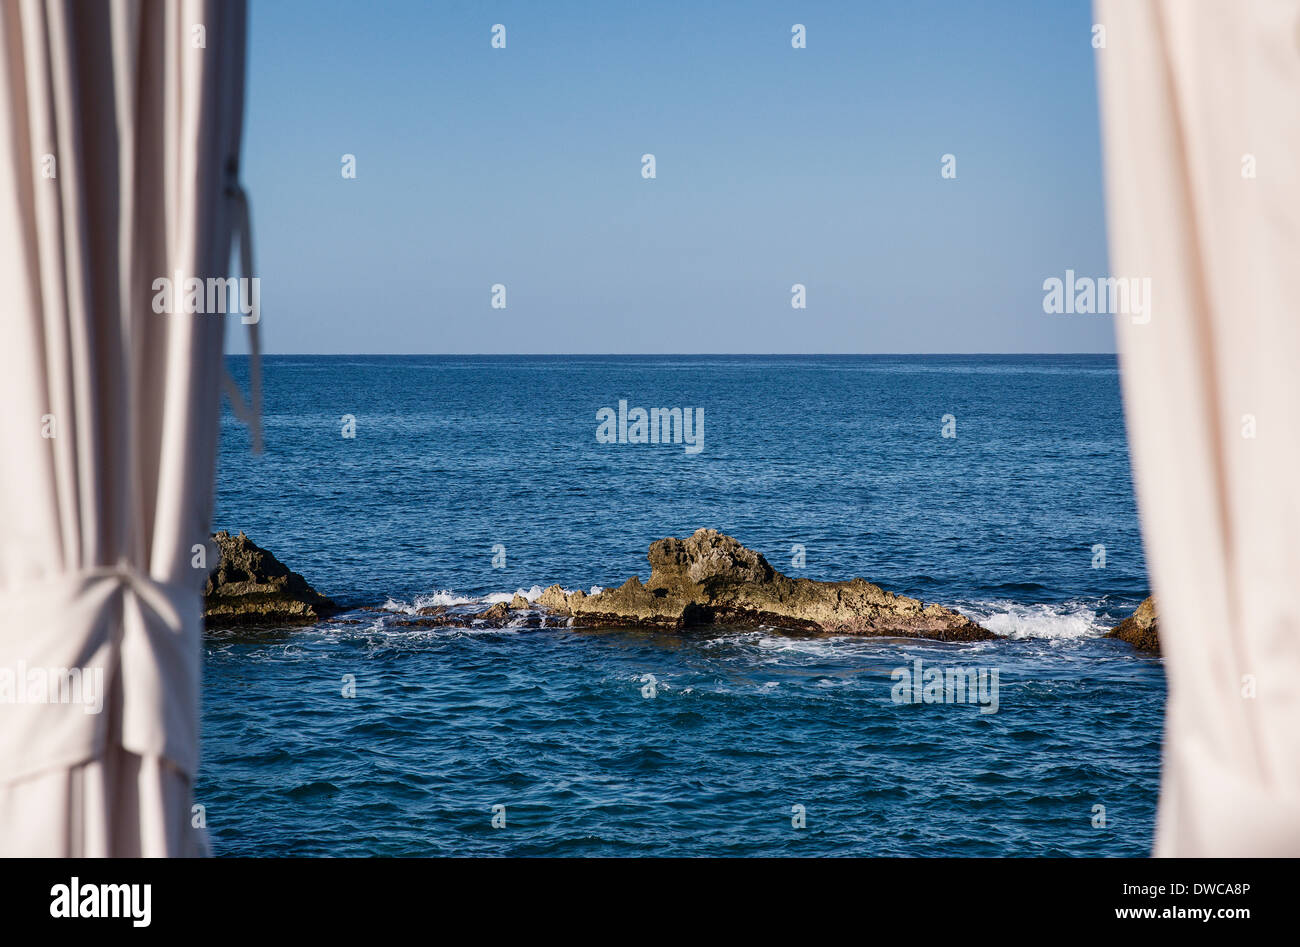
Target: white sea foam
(1070, 621)
(426, 601)
(449, 598)
(532, 595)
(778, 648)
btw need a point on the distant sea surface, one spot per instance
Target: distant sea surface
(842, 456)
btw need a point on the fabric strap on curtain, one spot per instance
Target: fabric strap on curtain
(1201, 127)
(120, 125)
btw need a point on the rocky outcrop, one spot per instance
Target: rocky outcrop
(710, 578)
(250, 586)
(706, 579)
(1141, 629)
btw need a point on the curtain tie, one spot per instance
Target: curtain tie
(127, 674)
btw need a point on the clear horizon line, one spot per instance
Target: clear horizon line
(654, 354)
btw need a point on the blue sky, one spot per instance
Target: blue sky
(775, 166)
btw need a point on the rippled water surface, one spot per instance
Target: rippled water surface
(842, 455)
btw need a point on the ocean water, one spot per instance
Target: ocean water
(470, 478)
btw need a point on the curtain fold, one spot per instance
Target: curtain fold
(120, 128)
(1200, 136)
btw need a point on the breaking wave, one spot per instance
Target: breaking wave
(1070, 621)
(451, 599)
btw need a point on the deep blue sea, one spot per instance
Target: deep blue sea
(844, 456)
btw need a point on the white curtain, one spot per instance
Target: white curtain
(119, 135)
(1201, 128)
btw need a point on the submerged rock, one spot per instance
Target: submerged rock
(499, 615)
(251, 586)
(1141, 629)
(710, 578)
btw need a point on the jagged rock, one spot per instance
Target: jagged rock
(554, 598)
(1141, 629)
(519, 602)
(500, 612)
(710, 578)
(251, 586)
